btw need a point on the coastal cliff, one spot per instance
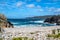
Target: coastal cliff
(4, 23)
(53, 19)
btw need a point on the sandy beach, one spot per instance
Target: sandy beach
(32, 29)
(39, 33)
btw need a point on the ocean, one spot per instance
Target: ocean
(29, 23)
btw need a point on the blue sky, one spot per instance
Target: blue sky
(29, 8)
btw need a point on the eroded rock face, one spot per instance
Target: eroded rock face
(53, 19)
(4, 23)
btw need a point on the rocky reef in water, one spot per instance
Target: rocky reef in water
(53, 19)
(4, 23)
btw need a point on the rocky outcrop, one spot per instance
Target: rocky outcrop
(53, 19)
(4, 23)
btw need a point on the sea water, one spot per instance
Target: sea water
(29, 23)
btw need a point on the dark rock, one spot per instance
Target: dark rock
(53, 19)
(4, 23)
(10, 24)
(47, 20)
(58, 22)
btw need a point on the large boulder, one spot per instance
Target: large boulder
(53, 19)
(4, 23)
(47, 20)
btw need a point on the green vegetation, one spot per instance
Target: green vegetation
(58, 30)
(32, 33)
(53, 31)
(1, 39)
(25, 38)
(54, 35)
(31, 39)
(21, 38)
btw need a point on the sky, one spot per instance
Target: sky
(29, 8)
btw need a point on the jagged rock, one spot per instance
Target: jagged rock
(4, 23)
(2, 17)
(53, 19)
(10, 24)
(47, 20)
(58, 22)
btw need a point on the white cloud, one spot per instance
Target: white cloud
(58, 9)
(30, 5)
(53, 10)
(18, 4)
(41, 10)
(50, 9)
(38, 6)
(6, 5)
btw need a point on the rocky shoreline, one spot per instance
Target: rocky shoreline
(53, 19)
(4, 23)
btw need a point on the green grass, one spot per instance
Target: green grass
(54, 35)
(1, 39)
(31, 32)
(31, 39)
(20, 38)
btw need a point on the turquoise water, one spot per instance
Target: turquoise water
(22, 22)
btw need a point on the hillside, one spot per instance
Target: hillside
(4, 23)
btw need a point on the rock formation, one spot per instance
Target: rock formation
(53, 19)
(4, 23)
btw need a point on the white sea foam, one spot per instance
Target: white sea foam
(15, 23)
(18, 26)
(38, 21)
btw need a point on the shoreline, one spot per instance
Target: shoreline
(31, 29)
